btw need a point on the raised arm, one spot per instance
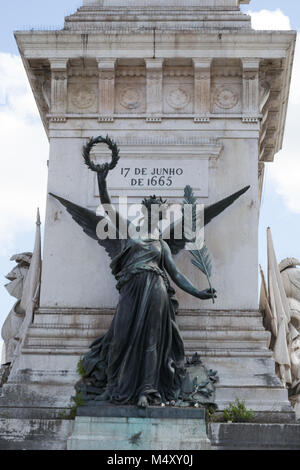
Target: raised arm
(102, 172)
(182, 281)
(102, 185)
(109, 208)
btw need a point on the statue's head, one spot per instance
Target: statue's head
(18, 274)
(290, 274)
(157, 203)
(288, 263)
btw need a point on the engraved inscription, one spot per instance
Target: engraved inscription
(151, 177)
(157, 176)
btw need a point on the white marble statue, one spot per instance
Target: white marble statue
(14, 320)
(24, 285)
(280, 304)
(290, 274)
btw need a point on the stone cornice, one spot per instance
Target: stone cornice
(55, 48)
(252, 44)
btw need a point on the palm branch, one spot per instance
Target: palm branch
(202, 259)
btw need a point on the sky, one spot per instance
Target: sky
(24, 146)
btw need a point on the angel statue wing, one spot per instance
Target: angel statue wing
(88, 221)
(176, 243)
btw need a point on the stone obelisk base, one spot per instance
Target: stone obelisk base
(99, 428)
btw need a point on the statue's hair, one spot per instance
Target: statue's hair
(149, 201)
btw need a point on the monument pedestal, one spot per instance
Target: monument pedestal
(237, 349)
(234, 343)
(130, 428)
(184, 88)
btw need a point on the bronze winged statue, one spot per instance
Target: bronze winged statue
(140, 360)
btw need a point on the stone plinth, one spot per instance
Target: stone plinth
(128, 428)
(251, 436)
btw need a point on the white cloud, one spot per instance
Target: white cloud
(267, 19)
(23, 153)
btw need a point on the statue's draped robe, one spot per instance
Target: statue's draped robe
(142, 353)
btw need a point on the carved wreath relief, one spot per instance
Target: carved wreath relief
(178, 85)
(226, 97)
(130, 98)
(178, 98)
(83, 97)
(138, 90)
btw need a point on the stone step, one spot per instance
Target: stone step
(209, 339)
(256, 397)
(65, 332)
(254, 436)
(208, 333)
(221, 332)
(34, 434)
(36, 395)
(188, 319)
(78, 352)
(223, 352)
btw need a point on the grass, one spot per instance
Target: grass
(71, 414)
(80, 369)
(237, 413)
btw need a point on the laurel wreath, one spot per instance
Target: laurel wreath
(115, 157)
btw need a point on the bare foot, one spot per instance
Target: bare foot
(143, 401)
